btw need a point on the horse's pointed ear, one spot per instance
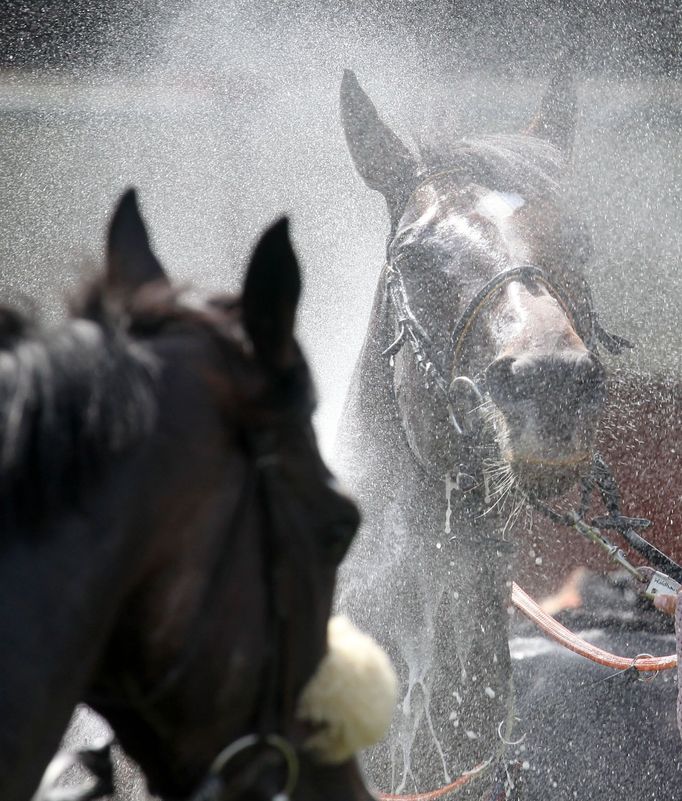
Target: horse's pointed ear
(130, 260)
(271, 291)
(381, 159)
(555, 119)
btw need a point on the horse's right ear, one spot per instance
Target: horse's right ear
(130, 259)
(381, 159)
(271, 291)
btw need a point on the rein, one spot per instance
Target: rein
(670, 579)
(440, 792)
(500, 789)
(642, 662)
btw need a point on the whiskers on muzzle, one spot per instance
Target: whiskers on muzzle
(504, 495)
(532, 463)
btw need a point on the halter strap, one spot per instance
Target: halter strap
(426, 355)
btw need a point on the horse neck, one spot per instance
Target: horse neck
(60, 593)
(370, 438)
(70, 402)
(63, 569)
(407, 542)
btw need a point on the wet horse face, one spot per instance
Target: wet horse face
(240, 531)
(495, 207)
(545, 387)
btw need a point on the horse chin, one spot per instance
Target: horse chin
(549, 478)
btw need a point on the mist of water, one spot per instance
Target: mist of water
(233, 121)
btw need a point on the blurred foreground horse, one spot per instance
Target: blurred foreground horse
(479, 389)
(170, 534)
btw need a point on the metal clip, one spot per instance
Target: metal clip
(657, 583)
(614, 553)
(467, 383)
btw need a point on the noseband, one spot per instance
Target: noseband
(426, 356)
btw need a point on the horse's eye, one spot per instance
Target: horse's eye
(338, 533)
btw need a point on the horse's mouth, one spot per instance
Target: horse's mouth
(545, 478)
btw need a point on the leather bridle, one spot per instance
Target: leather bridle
(426, 356)
(276, 706)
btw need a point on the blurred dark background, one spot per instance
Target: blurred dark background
(623, 36)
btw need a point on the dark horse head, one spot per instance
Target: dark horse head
(484, 270)
(170, 534)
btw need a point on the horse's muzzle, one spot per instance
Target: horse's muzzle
(548, 410)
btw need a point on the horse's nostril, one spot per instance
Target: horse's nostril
(561, 378)
(591, 373)
(504, 383)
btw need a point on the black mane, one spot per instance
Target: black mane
(504, 162)
(71, 400)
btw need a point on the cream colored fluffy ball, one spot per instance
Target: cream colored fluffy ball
(351, 696)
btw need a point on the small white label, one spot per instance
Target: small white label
(661, 584)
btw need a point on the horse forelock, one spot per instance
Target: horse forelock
(472, 197)
(505, 162)
(71, 400)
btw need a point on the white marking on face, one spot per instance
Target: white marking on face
(499, 205)
(463, 228)
(426, 217)
(514, 297)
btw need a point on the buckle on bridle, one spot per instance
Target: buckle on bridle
(462, 381)
(212, 788)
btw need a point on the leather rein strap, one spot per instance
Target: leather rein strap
(440, 792)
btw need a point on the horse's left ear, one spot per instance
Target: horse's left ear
(130, 259)
(555, 119)
(271, 291)
(383, 162)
